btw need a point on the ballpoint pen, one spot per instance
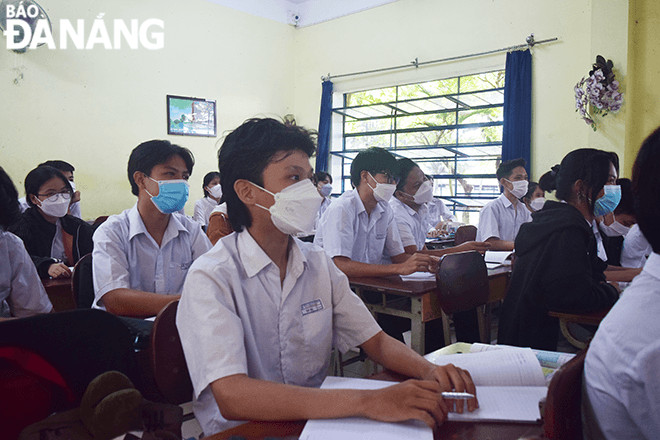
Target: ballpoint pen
(455, 395)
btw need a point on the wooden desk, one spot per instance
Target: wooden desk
(417, 300)
(60, 293)
(589, 318)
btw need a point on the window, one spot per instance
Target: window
(452, 128)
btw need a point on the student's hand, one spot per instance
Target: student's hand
(59, 270)
(75, 198)
(412, 399)
(418, 263)
(452, 378)
(479, 246)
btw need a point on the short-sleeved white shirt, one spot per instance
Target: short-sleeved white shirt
(500, 219)
(126, 256)
(412, 224)
(236, 317)
(345, 229)
(622, 364)
(438, 211)
(21, 291)
(203, 209)
(636, 248)
(324, 205)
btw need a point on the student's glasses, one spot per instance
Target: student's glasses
(389, 177)
(66, 194)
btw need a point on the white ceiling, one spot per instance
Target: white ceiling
(308, 12)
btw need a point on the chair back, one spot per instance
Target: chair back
(82, 282)
(465, 233)
(167, 360)
(562, 417)
(462, 280)
(100, 219)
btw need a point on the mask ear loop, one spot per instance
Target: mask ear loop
(263, 189)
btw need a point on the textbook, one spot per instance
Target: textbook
(495, 259)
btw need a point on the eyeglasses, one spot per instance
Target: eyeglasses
(389, 177)
(66, 194)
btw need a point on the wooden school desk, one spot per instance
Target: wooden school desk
(588, 318)
(417, 300)
(60, 293)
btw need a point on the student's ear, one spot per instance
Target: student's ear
(580, 189)
(138, 178)
(364, 176)
(245, 191)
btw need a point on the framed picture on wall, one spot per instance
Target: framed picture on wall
(190, 116)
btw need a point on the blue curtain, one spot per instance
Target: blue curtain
(325, 120)
(516, 136)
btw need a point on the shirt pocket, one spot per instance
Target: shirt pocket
(317, 333)
(177, 274)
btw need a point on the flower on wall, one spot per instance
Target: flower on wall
(598, 94)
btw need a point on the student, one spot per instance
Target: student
(410, 204)
(556, 266)
(535, 197)
(67, 170)
(261, 311)
(358, 230)
(21, 291)
(439, 214)
(622, 385)
(323, 182)
(219, 225)
(54, 239)
(142, 255)
(613, 227)
(500, 219)
(212, 195)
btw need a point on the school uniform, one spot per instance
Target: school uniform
(236, 317)
(501, 219)
(636, 248)
(622, 385)
(126, 256)
(412, 224)
(438, 212)
(324, 205)
(21, 291)
(203, 209)
(347, 230)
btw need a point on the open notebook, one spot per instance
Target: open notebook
(495, 259)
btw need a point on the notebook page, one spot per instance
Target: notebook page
(517, 367)
(498, 257)
(505, 404)
(419, 276)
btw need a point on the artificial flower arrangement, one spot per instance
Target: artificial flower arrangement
(598, 94)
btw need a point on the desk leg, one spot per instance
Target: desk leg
(417, 326)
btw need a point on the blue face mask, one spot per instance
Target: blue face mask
(172, 195)
(609, 201)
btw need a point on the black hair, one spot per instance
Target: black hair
(627, 204)
(530, 191)
(646, 188)
(587, 164)
(506, 168)
(207, 179)
(375, 160)
(248, 150)
(9, 208)
(405, 166)
(38, 177)
(320, 176)
(615, 160)
(61, 165)
(148, 154)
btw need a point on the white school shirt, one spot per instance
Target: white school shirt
(622, 382)
(438, 212)
(126, 256)
(21, 291)
(203, 209)
(324, 205)
(236, 317)
(600, 247)
(412, 224)
(636, 248)
(347, 230)
(74, 209)
(501, 220)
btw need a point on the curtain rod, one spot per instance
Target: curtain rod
(530, 42)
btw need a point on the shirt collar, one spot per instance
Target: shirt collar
(405, 207)
(136, 226)
(254, 259)
(359, 205)
(505, 200)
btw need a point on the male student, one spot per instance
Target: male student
(141, 256)
(358, 230)
(67, 169)
(261, 311)
(500, 219)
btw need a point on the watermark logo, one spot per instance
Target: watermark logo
(27, 26)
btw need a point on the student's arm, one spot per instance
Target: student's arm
(499, 245)
(403, 264)
(464, 247)
(136, 303)
(621, 274)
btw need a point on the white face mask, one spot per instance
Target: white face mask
(215, 191)
(326, 189)
(424, 193)
(537, 203)
(56, 205)
(295, 207)
(383, 191)
(519, 188)
(616, 229)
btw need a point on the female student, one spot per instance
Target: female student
(323, 182)
(557, 267)
(54, 239)
(535, 197)
(212, 195)
(21, 291)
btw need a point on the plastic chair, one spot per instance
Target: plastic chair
(167, 359)
(562, 417)
(462, 280)
(465, 233)
(82, 282)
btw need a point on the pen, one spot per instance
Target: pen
(453, 395)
